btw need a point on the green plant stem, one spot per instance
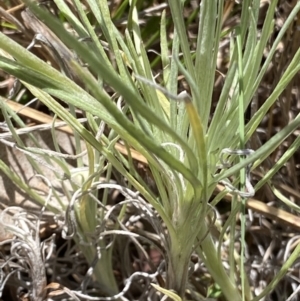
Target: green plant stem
(178, 264)
(242, 146)
(210, 257)
(103, 270)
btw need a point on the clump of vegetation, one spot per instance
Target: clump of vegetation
(171, 109)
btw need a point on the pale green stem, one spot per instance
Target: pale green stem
(178, 264)
(209, 255)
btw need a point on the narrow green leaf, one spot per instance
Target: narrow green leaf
(263, 152)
